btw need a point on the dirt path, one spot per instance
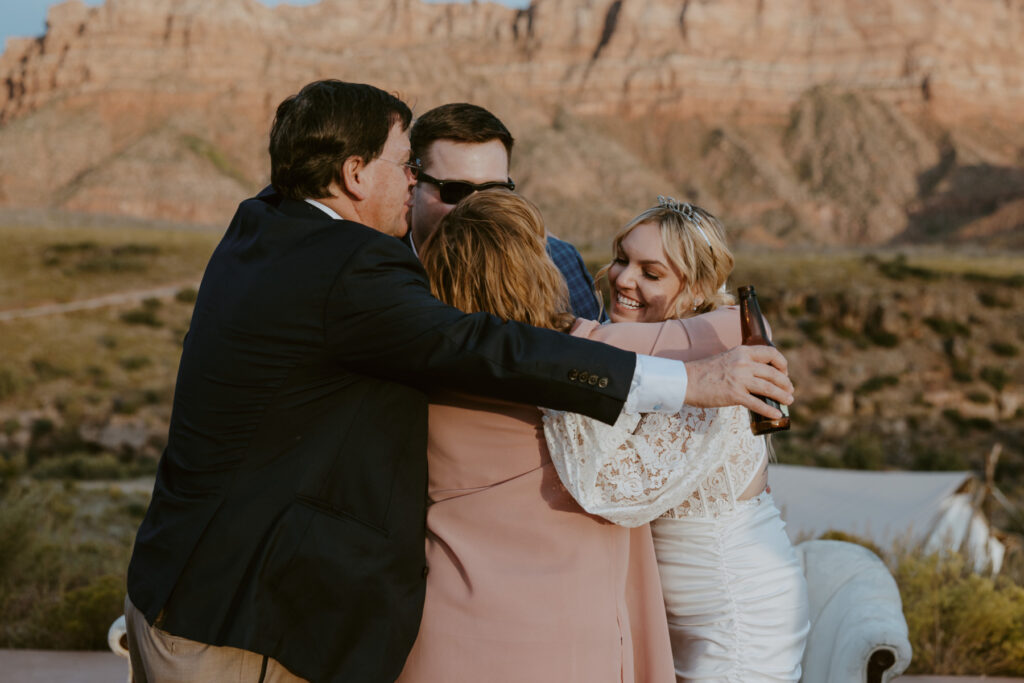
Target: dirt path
(116, 299)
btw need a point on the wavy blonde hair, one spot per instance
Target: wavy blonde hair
(702, 267)
(489, 255)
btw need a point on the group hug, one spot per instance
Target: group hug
(409, 442)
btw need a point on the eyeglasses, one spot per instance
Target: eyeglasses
(454, 191)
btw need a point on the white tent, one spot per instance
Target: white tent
(930, 510)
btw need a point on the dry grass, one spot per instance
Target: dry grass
(56, 264)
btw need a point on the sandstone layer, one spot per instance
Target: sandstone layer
(798, 121)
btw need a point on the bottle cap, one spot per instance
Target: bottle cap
(746, 291)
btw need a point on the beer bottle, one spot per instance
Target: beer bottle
(756, 334)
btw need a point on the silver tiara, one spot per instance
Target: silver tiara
(686, 210)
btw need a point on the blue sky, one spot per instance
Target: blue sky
(28, 17)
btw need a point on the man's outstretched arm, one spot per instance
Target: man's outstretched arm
(735, 376)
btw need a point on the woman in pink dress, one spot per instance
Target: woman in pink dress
(523, 585)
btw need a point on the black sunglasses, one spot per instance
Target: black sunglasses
(454, 191)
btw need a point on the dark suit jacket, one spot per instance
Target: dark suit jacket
(289, 508)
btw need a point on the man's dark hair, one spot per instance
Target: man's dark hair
(327, 122)
(457, 121)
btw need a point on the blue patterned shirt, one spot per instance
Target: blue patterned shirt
(582, 297)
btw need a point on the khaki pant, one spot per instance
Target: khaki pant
(159, 657)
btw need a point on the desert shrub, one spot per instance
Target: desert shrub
(45, 369)
(965, 424)
(961, 370)
(793, 452)
(812, 329)
(48, 440)
(819, 404)
(988, 278)
(9, 383)
(899, 269)
(141, 316)
(947, 328)
(80, 466)
(990, 300)
(930, 459)
(997, 378)
(134, 362)
(186, 296)
(144, 315)
(863, 452)
(981, 397)
(1004, 349)
(883, 338)
(56, 591)
(878, 382)
(81, 619)
(960, 623)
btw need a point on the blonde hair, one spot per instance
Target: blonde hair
(695, 247)
(489, 254)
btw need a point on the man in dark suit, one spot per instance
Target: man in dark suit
(284, 538)
(459, 148)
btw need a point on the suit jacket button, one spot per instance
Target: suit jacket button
(603, 382)
(584, 375)
(593, 380)
(573, 374)
(426, 570)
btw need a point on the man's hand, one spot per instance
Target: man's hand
(732, 378)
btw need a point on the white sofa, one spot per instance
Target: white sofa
(858, 632)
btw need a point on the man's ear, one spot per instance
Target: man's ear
(352, 180)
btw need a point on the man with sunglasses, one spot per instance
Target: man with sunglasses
(462, 148)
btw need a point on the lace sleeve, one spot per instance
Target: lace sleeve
(640, 467)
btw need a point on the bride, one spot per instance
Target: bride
(734, 592)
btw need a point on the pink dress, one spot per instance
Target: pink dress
(523, 585)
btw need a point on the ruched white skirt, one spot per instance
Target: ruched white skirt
(735, 595)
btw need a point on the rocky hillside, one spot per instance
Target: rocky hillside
(840, 123)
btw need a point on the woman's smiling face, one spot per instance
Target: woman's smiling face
(644, 284)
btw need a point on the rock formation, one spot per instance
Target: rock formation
(848, 122)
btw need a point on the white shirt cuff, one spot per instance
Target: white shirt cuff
(658, 386)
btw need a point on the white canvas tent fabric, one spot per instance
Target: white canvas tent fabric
(921, 509)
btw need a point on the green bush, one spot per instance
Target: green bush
(145, 315)
(141, 316)
(947, 328)
(9, 383)
(134, 362)
(990, 300)
(899, 269)
(812, 329)
(187, 295)
(1004, 349)
(997, 378)
(960, 623)
(57, 590)
(863, 452)
(80, 466)
(45, 370)
(876, 383)
(964, 424)
(81, 619)
(927, 459)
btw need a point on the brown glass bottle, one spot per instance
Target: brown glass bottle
(755, 333)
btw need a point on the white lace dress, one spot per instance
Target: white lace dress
(734, 593)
